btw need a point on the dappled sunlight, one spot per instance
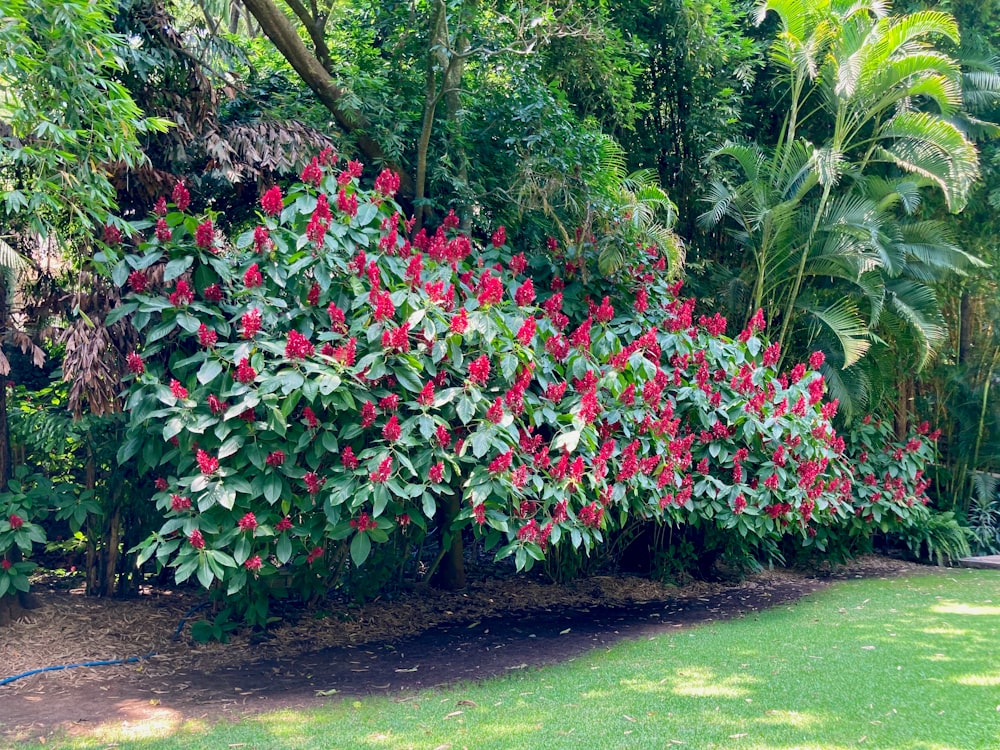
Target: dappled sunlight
(142, 721)
(797, 719)
(285, 725)
(948, 607)
(982, 679)
(706, 683)
(946, 630)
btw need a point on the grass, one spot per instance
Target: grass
(907, 663)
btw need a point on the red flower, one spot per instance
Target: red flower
(15, 521)
(495, 413)
(162, 231)
(605, 313)
(555, 391)
(112, 235)
(382, 302)
(251, 323)
(247, 523)
(137, 281)
(178, 390)
(367, 414)
(491, 289)
(383, 472)
(442, 436)
(182, 294)
(436, 473)
(160, 209)
(501, 463)
(160, 483)
(134, 363)
(271, 201)
(314, 554)
(261, 239)
(525, 293)
(216, 405)
(244, 372)
(518, 263)
(312, 173)
(207, 463)
(179, 504)
(426, 395)
(499, 237)
(526, 333)
(181, 196)
(347, 203)
(252, 278)
(450, 221)
(253, 563)
(387, 183)
(204, 235)
(739, 504)
(207, 337)
(196, 539)
(212, 293)
(298, 346)
(348, 458)
(460, 321)
(283, 525)
(313, 482)
(816, 359)
(310, 417)
(364, 522)
(275, 458)
(479, 369)
(391, 431)
(591, 515)
(6, 564)
(312, 296)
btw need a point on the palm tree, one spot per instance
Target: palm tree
(871, 123)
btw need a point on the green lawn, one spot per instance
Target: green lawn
(909, 663)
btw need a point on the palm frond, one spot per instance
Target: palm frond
(843, 320)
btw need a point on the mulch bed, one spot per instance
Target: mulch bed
(414, 642)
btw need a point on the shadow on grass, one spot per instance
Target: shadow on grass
(908, 663)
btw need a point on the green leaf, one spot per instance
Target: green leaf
(176, 267)
(209, 371)
(465, 409)
(272, 488)
(361, 547)
(283, 550)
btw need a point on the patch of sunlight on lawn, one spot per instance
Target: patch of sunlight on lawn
(797, 719)
(284, 725)
(946, 630)
(705, 683)
(947, 607)
(145, 721)
(983, 679)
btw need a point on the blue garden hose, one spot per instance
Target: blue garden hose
(105, 663)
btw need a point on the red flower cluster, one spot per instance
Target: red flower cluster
(363, 523)
(180, 196)
(298, 346)
(134, 363)
(479, 370)
(204, 235)
(313, 482)
(275, 458)
(207, 337)
(251, 323)
(15, 521)
(253, 278)
(208, 463)
(244, 372)
(182, 294)
(383, 472)
(272, 202)
(247, 523)
(178, 390)
(137, 281)
(179, 504)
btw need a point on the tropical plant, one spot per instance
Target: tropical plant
(325, 391)
(819, 205)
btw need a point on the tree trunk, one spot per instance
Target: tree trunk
(451, 575)
(966, 327)
(283, 34)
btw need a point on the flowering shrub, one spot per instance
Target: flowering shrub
(22, 507)
(323, 385)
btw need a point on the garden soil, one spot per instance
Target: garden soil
(417, 641)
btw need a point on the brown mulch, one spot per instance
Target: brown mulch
(417, 641)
